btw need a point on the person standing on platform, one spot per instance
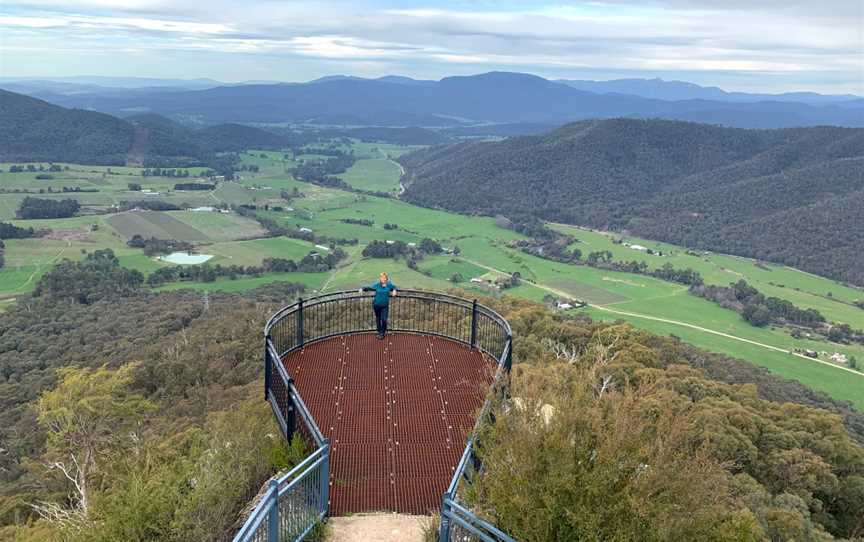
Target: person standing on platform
(384, 289)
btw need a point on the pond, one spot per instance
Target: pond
(184, 258)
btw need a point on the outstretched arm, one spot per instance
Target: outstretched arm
(367, 289)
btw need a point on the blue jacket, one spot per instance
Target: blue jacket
(382, 293)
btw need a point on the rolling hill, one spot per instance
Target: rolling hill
(794, 196)
(35, 130)
(485, 98)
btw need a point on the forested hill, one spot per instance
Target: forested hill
(794, 196)
(31, 129)
(34, 130)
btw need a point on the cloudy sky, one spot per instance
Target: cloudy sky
(756, 45)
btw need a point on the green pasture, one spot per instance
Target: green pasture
(225, 284)
(376, 174)
(835, 382)
(444, 267)
(252, 252)
(803, 289)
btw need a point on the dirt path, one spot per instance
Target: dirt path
(682, 324)
(39, 268)
(336, 270)
(377, 528)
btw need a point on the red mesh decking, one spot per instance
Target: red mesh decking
(397, 413)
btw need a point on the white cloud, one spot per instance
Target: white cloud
(127, 23)
(774, 36)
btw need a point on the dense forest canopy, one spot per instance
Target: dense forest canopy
(158, 384)
(37, 131)
(794, 196)
(34, 130)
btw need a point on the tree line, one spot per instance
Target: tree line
(36, 208)
(555, 246)
(311, 263)
(153, 246)
(761, 310)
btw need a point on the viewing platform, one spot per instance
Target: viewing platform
(397, 413)
(391, 423)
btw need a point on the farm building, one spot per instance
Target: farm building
(837, 357)
(304, 229)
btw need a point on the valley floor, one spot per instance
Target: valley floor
(483, 254)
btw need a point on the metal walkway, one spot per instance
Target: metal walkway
(397, 413)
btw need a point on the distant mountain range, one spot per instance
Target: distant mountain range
(463, 101)
(680, 90)
(35, 130)
(794, 196)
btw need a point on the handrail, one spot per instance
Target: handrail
(463, 517)
(317, 435)
(342, 313)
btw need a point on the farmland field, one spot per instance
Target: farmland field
(831, 298)
(483, 250)
(154, 224)
(253, 251)
(377, 175)
(219, 226)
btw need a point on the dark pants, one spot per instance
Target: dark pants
(381, 314)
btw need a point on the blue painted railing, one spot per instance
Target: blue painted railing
(296, 502)
(458, 523)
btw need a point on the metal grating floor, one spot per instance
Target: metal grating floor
(397, 413)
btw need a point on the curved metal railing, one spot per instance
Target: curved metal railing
(297, 501)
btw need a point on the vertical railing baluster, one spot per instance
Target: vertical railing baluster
(300, 322)
(474, 324)
(444, 526)
(324, 473)
(267, 366)
(273, 519)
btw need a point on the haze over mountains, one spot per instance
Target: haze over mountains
(456, 101)
(794, 196)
